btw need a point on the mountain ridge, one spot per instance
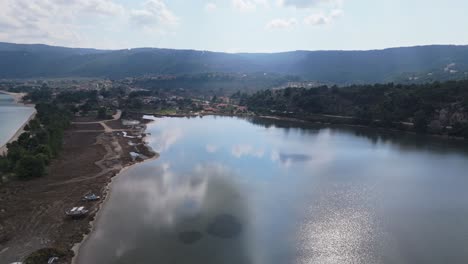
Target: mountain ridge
(398, 64)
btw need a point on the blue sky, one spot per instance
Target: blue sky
(235, 25)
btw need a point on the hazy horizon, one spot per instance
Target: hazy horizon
(205, 50)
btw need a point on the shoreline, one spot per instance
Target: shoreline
(18, 100)
(91, 158)
(107, 192)
(17, 97)
(3, 148)
(305, 121)
(399, 131)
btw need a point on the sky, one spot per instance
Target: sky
(235, 25)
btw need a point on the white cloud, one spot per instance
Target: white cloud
(68, 22)
(210, 7)
(336, 13)
(51, 21)
(325, 12)
(244, 5)
(153, 15)
(249, 5)
(282, 23)
(103, 7)
(322, 18)
(317, 19)
(309, 3)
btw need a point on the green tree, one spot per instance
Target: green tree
(102, 113)
(136, 103)
(214, 99)
(4, 165)
(34, 125)
(460, 130)
(420, 122)
(15, 152)
(23, 139)
(45, 151)
(30, 167)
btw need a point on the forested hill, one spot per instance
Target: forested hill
(412, 64)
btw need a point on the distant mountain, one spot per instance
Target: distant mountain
(410, 64)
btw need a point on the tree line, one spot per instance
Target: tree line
(437, 108)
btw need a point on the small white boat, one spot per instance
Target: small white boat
(77, 212)
(53, 260)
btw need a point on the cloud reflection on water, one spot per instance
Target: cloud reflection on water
(210, 148)
(151, 205)
(162, 141)
(242, 150)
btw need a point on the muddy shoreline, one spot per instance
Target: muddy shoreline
(32, 212)
(150, 154)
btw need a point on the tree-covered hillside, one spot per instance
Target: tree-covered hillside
(403, 65)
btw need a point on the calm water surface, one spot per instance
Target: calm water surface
(12, 117)
(228, 190)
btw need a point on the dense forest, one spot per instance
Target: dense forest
(437, 108)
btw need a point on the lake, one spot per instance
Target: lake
(12, 117)
(231, 190)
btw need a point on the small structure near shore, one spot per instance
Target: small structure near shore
(77, 212)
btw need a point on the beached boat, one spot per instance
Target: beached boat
(77, 212)
(53, 260)
(91, 197)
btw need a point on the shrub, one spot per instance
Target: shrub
(30, 167)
